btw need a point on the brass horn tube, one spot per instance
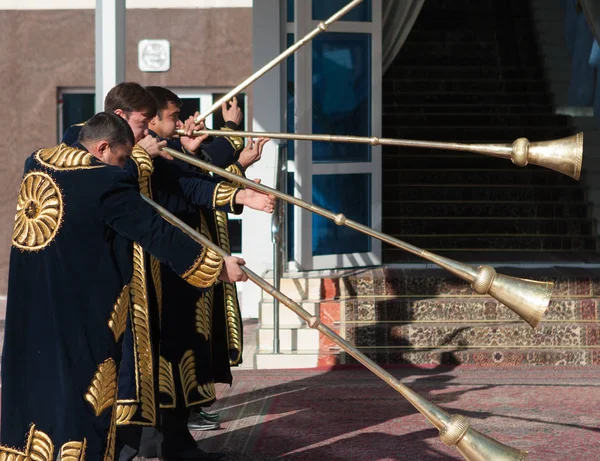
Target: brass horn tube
(455, 430)
(527, 298)
(563, 155)
(323, 25)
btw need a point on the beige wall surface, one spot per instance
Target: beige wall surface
(41, 51)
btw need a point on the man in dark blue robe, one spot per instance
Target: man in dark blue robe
(173, 184)
(70, 281)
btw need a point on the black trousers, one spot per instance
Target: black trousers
(169, 439)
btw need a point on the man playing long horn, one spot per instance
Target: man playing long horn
(174, 183)
(206, 339)
(78, 212)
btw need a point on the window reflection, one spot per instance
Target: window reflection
(341, 94)
(349, 194)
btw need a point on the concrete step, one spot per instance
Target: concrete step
(290, 339)
(287, 318)
(418, 310)
(471, 133)
(493, 242)
(517, 176)
(297, 289)
(510, 226)
(465, 98)
(399, 209)
(286, 360)
(477, 336)
(482, 192)
(430, 85)
(412, 158)
(470, 110)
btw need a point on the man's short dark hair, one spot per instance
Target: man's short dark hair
(109, 127)
(163, 97)
(130, 97)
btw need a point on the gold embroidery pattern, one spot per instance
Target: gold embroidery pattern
(187, 371)
(233, 168)
(145, 168)
(166, 382)
(103, 391)
(236, 141)
(234, 323)
(224, 194)
(204, 308)
(118, 318)
(39, 448)
(207, 391)
(73, 451)
(206, 269)
(39, 212)
(125, 413)
(109, 454)
(63, 157)
(234, 330)
(155, 268)
(140, 322)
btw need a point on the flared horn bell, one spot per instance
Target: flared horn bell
(564, 155)
(527, 298)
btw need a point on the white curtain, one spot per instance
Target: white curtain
(398, 19)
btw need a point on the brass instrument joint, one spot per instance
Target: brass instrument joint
(322, 26)
(453, 432)
(374, 141)
(313, 322)
(520, 152)
(484, 280)
(340, 219)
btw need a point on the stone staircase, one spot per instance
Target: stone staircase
(469, 72)
(428, 317)
(472, 72)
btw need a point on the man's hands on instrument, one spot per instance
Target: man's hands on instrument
(252, 152)
(232, 271)
(233, 113)
(188, 140)
(154, 147)
(255, 200)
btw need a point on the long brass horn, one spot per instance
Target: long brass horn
(455, 430)
(321, 27)
(527, 298)
(564, 155)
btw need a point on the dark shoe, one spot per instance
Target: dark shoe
(209, 416)
(197, 423)
(195, 456)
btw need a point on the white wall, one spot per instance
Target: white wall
(257, 247)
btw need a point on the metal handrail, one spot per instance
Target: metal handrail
(278, 236)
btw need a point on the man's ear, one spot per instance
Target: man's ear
(153, 121)
(121, 114)
(102, 147)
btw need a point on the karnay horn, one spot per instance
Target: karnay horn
(564, 155)
(321, 27)
(528, 298)
(455, 430)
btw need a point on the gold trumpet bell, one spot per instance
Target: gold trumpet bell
(527, 298)
(564, 155)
